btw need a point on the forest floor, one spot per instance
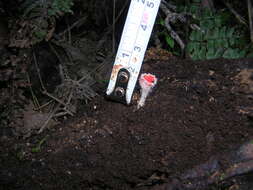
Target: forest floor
(188, 133)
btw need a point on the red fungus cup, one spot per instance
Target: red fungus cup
(147, 81)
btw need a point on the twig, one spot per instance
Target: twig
(237, 16)
(70, 96)
(173, 34)
(55, 52)
(61, 114)
(250, 12)
(65, 47)
(49, 118)
(38, 71)
(170, 6)
(59, 101)
(44, 105)
(35, 100)
(113, 26)
(76, 24)
(69, 31)
(109, 29)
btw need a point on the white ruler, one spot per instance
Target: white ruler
(133, 44)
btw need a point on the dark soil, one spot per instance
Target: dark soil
(195, 112)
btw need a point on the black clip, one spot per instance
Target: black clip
(119, 92)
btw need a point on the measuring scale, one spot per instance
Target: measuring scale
(133, 44)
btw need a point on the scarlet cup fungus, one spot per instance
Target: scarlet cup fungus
(147, 81)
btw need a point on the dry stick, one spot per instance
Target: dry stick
(167, 4)
(113, 26)
(59, 101)
(55, 52)
(60, 114)
(35, 100)
(173, 34)
(250, 12)
(101, 42)
(57, 55)
(44, 105)
(44, 91)
(91, 72)
(49, 118)
(61, 73)
(237, 16)
(38, 72)
(69, 31)
(69, 100)
(77, 23)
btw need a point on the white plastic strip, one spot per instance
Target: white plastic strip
(133, 44)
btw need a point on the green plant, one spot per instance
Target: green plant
(38, 21)
(215, 38)
(37, 148)
(59, 7)
(202, 33)
(46, 8)
(170, 42)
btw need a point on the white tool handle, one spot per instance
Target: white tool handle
(133, 44)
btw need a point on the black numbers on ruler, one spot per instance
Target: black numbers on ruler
(137, 48)
(148, 3)
(125, 55)
(144, 27)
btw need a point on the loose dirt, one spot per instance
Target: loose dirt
(196, 111)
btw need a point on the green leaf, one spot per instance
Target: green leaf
(206, 24)
(210, 54)
(170, 41)
(207, 14)
(242, 53)
(211, 44)
(192, 46)
(230, 32)
(202, 53)
(213, 34)
(214, 53)
(219, 52)
(231, 54)
(194, 9)
(195, 56)
(40, 34)
(232, 41)
(193, 35)
(218, 43)
(222, 33)
(37, 148)
(196, 35)
(161, 22)
(218, 21)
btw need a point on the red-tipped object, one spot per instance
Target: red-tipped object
(149, 78)
(147, 81)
